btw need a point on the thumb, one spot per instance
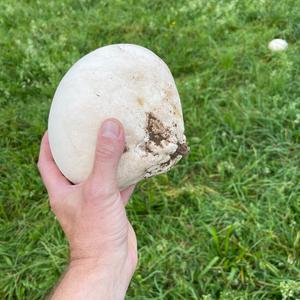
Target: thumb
(109, 149)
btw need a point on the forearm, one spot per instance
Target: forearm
(93, 283)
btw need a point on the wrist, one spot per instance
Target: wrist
(120, 263)
(82, 282)
(112, 278)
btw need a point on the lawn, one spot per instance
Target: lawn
(225, 222)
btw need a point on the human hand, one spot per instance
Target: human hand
(92, 215)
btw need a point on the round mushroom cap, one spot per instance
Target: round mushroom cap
(129, 83)
(277, 45)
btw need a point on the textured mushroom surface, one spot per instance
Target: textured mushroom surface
(122, 81)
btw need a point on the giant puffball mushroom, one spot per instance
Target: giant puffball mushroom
(278, 45)
(129, 83)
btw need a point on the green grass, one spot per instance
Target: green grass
(225, 223)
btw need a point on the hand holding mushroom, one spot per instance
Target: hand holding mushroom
(119, 82)
(103, 248)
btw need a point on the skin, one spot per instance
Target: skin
(103, 246)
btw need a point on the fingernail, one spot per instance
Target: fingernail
(110, 129)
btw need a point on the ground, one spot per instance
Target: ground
(224, 223)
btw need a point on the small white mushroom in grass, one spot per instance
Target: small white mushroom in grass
(122, 81)
(278, 45)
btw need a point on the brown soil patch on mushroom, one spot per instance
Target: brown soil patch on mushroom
(182, 150)
(157, 133)
(126, 149)
(156, 130)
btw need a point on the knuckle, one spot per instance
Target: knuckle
(94, 191)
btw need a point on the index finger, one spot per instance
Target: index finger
(51, 175)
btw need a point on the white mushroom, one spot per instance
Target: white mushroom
(277, 45)
(127, 82)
